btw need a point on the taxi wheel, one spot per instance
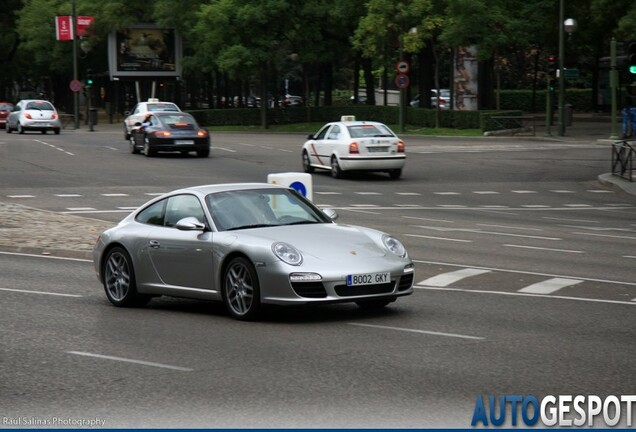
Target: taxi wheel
(307, 163)
(20, 129)
(133, 147)
(149, 152)
(395, 174)
(336, 172)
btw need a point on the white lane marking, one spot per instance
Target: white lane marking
(549, 286)
(427, 219)
(68, 195)
(40, 292)
(454, 206)
(526, 272)
(114, 195)
(225, 149)
(445, 279)
(408, 193)
(363, 205)
(478, 231)
(285, 150)
(570, 220)
(20, 196)
(523, 192)
(446, 193)
(154, 193)
(577, 205)
(439, 238)
(127, 360)
(54, 147)
(562, 191)
(606, 235)
(111, 148)
(600, 191)
(493, 206)
(418, 331)
(367, 193)
(544, 249)
(45, 256)
(127, 208)
(328, 193)
(76, 209)
(486, 192)
(585, 299)
(511, 227)
(628, 256)
(535, 206)
(93, 211)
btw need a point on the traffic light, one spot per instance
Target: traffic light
(89, 77)
(552, 65)
(552, 85)
(631, 58)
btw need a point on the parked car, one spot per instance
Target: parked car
(169, 131)
(5, 109)
(248, 245)
(34, 114)
(444, 99)
(140, 110)
(291, 101)
(350, 145)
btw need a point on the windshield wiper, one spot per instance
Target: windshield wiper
(383, 135)
(303, 222)
(251, 226)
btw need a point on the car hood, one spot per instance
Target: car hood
(326, 242)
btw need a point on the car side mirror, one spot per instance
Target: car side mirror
(190, 223)
(126, 113)
(138, 124)
(310, 136)
(330, 213)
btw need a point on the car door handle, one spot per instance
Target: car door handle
(155, 244)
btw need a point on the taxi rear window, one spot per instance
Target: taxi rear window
(368, 130)
(162, 107)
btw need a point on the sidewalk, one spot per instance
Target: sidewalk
(33, 231)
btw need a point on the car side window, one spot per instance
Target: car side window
(334, 133)
(182, 206)
(153, 215)
(321, 134)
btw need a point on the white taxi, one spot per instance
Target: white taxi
(140, 110)
(350, 145)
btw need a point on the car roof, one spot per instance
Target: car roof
(225, 187)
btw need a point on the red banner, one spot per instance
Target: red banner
(64, 27)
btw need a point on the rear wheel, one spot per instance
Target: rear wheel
(131, 145)
(57, 131)
(241, 291)
(336, 172)
(148, 151)
(395, 174)
(203, 153)
(43, 131)
(307, 163)
(20, 129)
(119, 280)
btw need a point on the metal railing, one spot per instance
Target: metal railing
(623, 160)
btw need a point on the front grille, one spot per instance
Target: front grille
(309, 289)
(406, 281)
(350, 291)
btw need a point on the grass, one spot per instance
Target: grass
(308, 128)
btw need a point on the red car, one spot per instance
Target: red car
(5, 109)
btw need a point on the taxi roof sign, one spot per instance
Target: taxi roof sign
(153, 100)
(348, 118)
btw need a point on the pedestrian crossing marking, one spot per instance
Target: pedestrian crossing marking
(549, 286)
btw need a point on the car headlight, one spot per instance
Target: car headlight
(287, 253)
(394, 245)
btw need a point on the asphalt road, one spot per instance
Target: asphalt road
(525, 284)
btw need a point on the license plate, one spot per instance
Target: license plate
(368, 279)
(377, 149)
(183, 141)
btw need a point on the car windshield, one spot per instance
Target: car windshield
(178, 121)
(40, 105)
(370, 130)
(6, 107)
(256, 208)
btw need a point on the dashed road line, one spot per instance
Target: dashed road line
(446, 279)
(433, 333)
(549, 286)
(127, 360)
(544, 249)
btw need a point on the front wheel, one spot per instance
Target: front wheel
(132, 146)
(8, 128)
(241, 291)
(119, 280)
(336, 172)
(395, 174)
(148, 151)
(307, 163)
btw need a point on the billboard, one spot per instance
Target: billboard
(465, 80)
(144, 51)
(64, 26)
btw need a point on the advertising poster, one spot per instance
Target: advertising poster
(466, 89)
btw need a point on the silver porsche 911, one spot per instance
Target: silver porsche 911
(248, 245)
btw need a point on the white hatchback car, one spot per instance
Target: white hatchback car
(140, 110)
(350, 145)
(34, 114)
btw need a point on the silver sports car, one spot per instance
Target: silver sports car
(247, 245)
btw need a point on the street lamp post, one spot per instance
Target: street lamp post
(75, 73)
(568, 25)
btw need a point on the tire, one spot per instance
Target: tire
(20, 130)
(395, 174)
(241, 292)
(203, 153)
(336, 172)
(307, 163)
(375, 304)
(57, 131)
(132, 146)
(119, 280)
(126, 134)
(147, 150)
(43, 131)
(8, 129)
